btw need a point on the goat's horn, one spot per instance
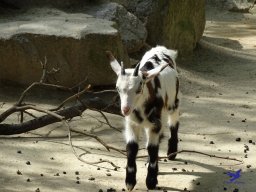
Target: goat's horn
(136, 70)
(122, 68)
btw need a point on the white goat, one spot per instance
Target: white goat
(146, 92)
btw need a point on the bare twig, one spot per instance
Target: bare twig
(193, 151)
(90, 135)
(75, 96)
(44, 68)
(24, 93)
(108, 147)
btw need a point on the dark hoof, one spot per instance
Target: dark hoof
(130, 181)
(151, 182)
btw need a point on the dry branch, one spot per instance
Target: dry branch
(193, 151)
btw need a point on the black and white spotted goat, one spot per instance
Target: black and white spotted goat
(149, 95)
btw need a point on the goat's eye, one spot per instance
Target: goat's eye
(118, 90)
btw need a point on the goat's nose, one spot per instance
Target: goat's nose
(126, 110)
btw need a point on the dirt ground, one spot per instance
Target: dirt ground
(218, 107)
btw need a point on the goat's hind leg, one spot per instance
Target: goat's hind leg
(132, 136)
(173, 123)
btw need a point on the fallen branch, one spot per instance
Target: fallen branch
(193, 151)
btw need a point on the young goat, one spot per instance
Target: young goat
(148, 93)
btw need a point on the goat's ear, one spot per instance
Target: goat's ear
(113, 63)
(153, 72)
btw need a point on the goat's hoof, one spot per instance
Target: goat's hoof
(130, 186)
(151, 183)
(130, 183)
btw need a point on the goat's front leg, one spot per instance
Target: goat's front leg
(152, 147)
(132, 136)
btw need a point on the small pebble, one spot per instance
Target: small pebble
(98, 168)
(115, 169)
(248, 166)
(37, 190)
(41, 174)
(111, 190)
(19, 172)
(211, 142)
(253, 143)
(19, 152)
(232, 114)
(77, 178)
(165, 160)
(91, 179)
(57, 174)
(184, 170)
(28, 163)
(77, 172)
(246, 156)
(235, 190)
(174, 169)
(52, 158)
(64, 172)
(197, 96)
(250, 141)
(185, 162)
(244, 120)
(28, 180)
(225, 189)
(100, 190)
(108, 174)
(185, 189)
(238, 139)
(77, 182)
(123, 189)
(198, 183)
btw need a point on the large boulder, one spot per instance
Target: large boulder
(132, 30)
(73, 42)
(177, 24)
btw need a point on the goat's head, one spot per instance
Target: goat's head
(130, 83)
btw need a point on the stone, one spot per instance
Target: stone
(243, 6)
(176, 24)
(73, 42)
(133, 32)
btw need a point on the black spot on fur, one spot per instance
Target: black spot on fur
(147, 66)
(153, 109)
(157, 84)
(156, 59)
(168, 60)
(138, 115)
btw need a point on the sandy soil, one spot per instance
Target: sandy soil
(218, 106)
